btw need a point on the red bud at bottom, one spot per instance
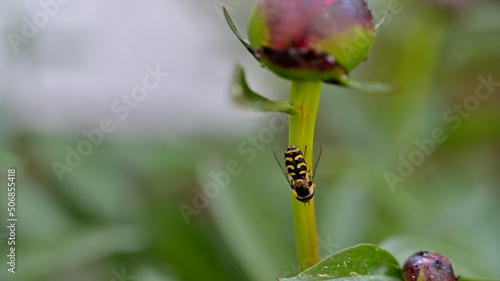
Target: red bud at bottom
(425, 266)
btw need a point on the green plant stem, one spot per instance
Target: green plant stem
(305, 96)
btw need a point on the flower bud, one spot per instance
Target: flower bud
(425, 266)
(311, 39)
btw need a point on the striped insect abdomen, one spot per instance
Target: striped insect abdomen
(296, 165)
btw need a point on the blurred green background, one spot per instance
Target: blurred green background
(118, 215)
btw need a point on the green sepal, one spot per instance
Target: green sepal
(382, 20)
(367, 87)
(244, 96)
(364, 262)
(237, 33)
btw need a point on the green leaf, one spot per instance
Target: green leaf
(236, 32)
(243, 95)
(364, 262)
(367, 87)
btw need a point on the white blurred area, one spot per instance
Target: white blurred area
(90, 53)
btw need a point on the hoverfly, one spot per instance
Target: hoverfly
(297, 171)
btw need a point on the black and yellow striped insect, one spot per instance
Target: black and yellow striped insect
(297, 171)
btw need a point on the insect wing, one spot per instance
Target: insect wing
(316, 156)
(279, 154)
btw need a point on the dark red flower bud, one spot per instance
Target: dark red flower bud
(425, 266)
(311, 39)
